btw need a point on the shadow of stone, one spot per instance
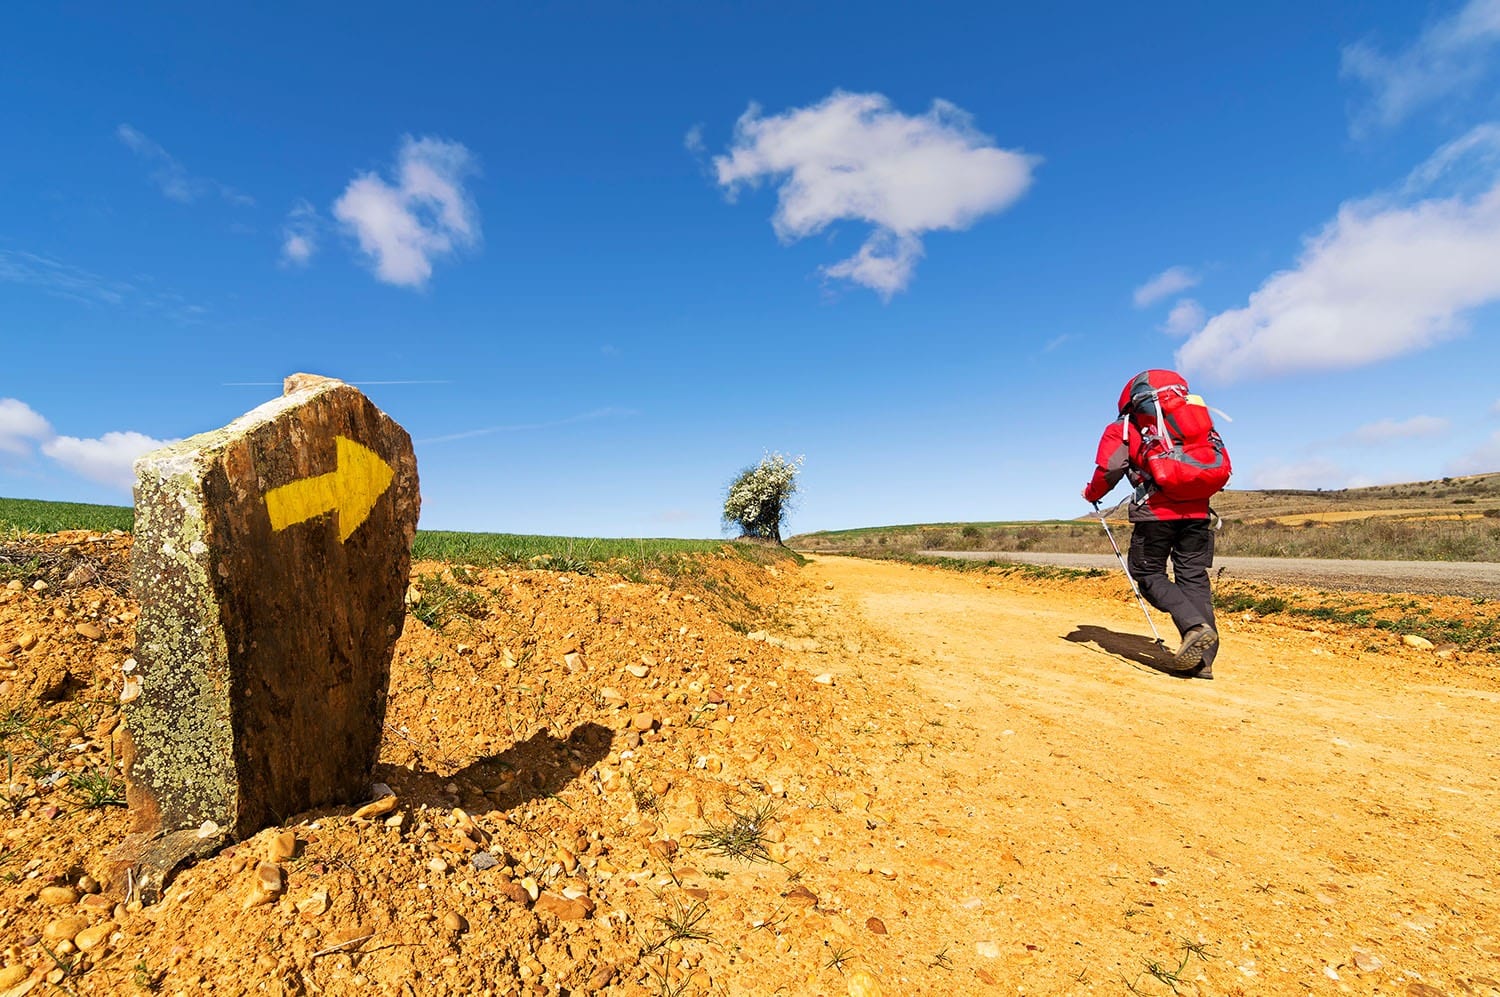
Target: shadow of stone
(1133, 647)
(533, 769)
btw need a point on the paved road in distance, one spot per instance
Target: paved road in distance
(1467, 578)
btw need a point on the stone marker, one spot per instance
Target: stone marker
(271, 558)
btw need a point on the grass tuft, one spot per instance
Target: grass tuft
(97, 788)
(742, 836)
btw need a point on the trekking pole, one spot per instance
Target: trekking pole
(1128, 576)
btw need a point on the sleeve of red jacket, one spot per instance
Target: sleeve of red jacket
(1109, 463)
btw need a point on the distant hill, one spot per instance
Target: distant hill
(1455, 496)
(1443, 520)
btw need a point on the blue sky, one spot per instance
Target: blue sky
(597, 260)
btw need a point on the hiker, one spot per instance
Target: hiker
(1165, 444)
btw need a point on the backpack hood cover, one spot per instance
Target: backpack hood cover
(1140, 391)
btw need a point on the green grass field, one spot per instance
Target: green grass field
(580, 554)
(35, 516)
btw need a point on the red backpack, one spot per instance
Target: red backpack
(1180, 450)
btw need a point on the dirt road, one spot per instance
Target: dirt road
(1317, 819)
(1468, 578)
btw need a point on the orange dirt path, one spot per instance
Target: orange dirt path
(1317, 819)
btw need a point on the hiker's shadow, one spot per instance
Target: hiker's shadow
(533, 769)
(1132, 647)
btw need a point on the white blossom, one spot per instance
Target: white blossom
(758, 498)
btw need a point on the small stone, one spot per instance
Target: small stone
(39, 586)
(379, 808)
(467, 829)
(15, 585)
(438, 866)
(88, 884)
(532, 889)
(987, 950)
(825, 679)
(567, 859)
(26, 641)
(314, 904)
(574, 662)
(12, 976)
(97, 937)
(1420, 643)
(643, 722)
(875, 925)
(483, 860)
(64, 929)
(282, 847)
(1367, 962)
(90, 630)
(563, 908)
(639, 671)
(516, 892)
(454, 923)
(82, 574)
(268, 884)
(130, 689)
(802, 896)
(863, 984)
(57, 896)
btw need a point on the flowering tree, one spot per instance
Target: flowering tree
(759, 498)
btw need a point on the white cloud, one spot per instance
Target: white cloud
(1165, 284)
(852, 157)
(1383, 278)
(61, 279)
(1391, 430)
(1449, 57)
(1483, 459)
(106, 460)
(693, 140)
(1495, 408)
(425, 216)
(1185, 318)
(884, 263)
(171, 177)
(299, 235)
(1475, 154)
(21, 427)
(1308, 474)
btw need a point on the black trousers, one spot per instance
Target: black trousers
(1186, 595)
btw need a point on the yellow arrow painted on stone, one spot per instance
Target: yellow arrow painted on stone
(352, 491)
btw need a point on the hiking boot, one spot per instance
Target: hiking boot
(1194, 643)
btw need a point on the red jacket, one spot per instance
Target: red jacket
(1119, 457)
